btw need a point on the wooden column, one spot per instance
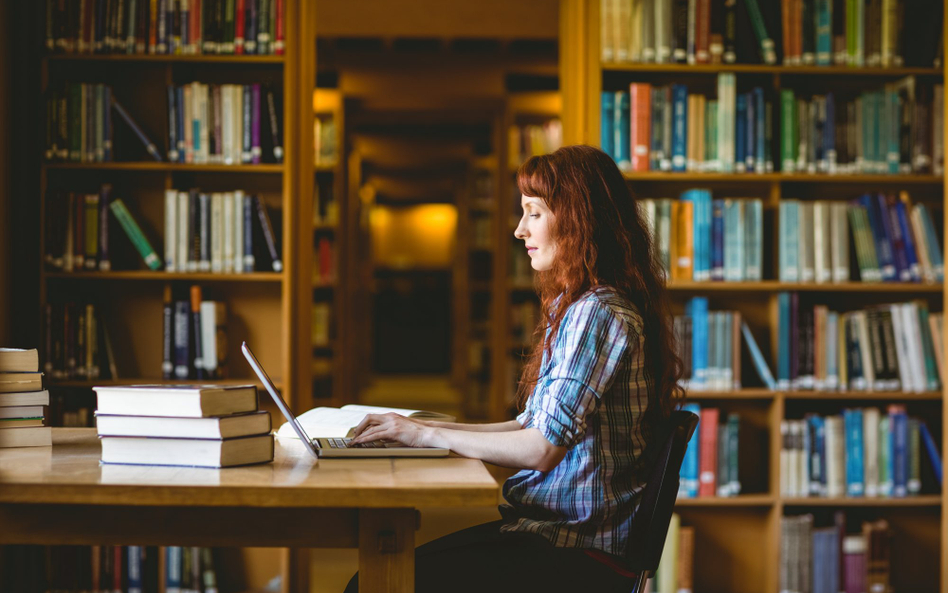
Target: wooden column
(386, 550)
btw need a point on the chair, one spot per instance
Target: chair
(650, 525)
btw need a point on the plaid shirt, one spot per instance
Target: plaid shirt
(586, 399)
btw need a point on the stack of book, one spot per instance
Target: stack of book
(190, 425)
(710, 465)
(22, 398)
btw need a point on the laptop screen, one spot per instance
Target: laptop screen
(278, 399)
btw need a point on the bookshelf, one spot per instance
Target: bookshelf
(262, 306)
(739, 538)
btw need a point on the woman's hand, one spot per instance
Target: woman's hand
(394, 427)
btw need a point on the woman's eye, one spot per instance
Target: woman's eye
(534, 216)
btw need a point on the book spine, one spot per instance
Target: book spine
(639, 120)
(267, 232)
(238, 223)
(149, 145)
(708, 448)
(246, 128)
(680, 131)
(767, 48)
(134, 233)
(275, 127)
(623, 129)
(204, 206)
(182, 340)
(168, 337)
(256, 152)
(249, 262)
(197, 351)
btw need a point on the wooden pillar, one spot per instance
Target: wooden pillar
(580, 70)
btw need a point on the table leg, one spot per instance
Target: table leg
(387, 550)
(295, 570)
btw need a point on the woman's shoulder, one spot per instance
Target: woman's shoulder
(606, 300)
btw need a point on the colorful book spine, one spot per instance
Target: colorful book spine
(134, 233)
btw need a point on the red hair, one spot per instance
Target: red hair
(601, 240)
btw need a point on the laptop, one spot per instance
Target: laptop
(333, 447)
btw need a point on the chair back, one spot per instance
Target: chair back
(650, 523)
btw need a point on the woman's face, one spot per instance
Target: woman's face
(535, 231)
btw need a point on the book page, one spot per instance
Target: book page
(379, 410)
(324, 422)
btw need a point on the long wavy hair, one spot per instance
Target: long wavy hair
(601, 240)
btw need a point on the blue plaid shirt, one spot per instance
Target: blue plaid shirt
(586, 399)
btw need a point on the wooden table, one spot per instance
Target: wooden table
(61, 495)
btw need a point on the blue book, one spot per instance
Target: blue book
(680, 127)
(893, 235)
(717, 240)
(814, 464)
(172, 125)
(134, 577)
(883, 247)
(783, 340)
(750, 132)
(734, 240)
(934, 251)
(818, 561)
(607, 138)
(829, 134)
(180, 120)
(173, 569)
(898, 425)
(763, 371)
(657, 151)
(740, 134)
(690, 462)
(703, 234)
(182, 342)
(932, 449)
(824, 32)
(855, 470)
(760, 130)
(697, 309)
(909, 240)
(621, 125)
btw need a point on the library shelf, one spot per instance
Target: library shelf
(924, 500)
(166, 167)
(751, 178)
(887, 396)
(777, 286)
(168, 276)
(714, 69)
(749, 394)
(170, 58)
(741, 500)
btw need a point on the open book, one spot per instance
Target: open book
(340, 422)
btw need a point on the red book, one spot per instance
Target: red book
(703, 32)
(117, 568)
(325, 260)
(279, 42)
(194, 28)
(708, 450)
(785, 21)
(239, 27)
(640, 100)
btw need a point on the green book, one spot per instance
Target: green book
(914, 482)
(787, 131)
(733, 424)
(767, 52)
(711, 135)
(928, 348)
(135, 234)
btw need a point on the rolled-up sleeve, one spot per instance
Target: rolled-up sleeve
(589, 349)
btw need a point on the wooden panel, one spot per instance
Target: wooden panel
(6, 234)
(524, 19)
(65, 524)
(69, 473)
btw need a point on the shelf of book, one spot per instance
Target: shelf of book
(168, 276)
(743, 500)
(751, 178)
(714, 69)
(87, 384)
(165, 167)
(173, 58)
(589, 75)
(925, 500)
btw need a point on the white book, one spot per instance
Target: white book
(822, 260)
(832, 351)
(171, 233)
(901, 352)
(914, 344)
(785, 458)
(835, 457)
(647, 30)
(228, 233)
(227, 124)
(213, 315)
(606, 22)
(217, 234)
(865, 348)
(238, 201)
(788, 256)
(806, 242)
(754, 235)
(870, 431)
(840, 242)
(339, 422)
(184, 224)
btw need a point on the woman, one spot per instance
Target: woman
(597, 385)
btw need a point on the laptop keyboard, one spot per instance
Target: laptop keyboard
(347, 444)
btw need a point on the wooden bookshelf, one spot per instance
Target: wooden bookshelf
(746, 530)
(167, 276)
(165, 167)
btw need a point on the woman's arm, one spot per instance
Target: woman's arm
(519, 449)
(494, 427)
